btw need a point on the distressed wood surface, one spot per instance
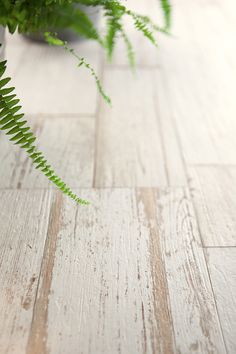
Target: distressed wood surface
(127, 274)
(195, 320)
(110, 287)
(24, 220)
(214, 193)
(68, 144)
(222, 267)
(129, 149)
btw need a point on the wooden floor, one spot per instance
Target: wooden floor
(150, 265)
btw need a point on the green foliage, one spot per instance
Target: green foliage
(166, 7)
(12, 123)
(30, 16)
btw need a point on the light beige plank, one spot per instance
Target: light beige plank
(195, 321)
(48, 80)
(24, 219)
(68, 144)
(175, 166)
(125, 275)
(222, 267)
(199, 76)
(214, 190)
(129, 151)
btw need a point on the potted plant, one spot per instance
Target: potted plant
(50, 18)
(2, 42)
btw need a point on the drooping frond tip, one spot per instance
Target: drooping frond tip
(12, 123)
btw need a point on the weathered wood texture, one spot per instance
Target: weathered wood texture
(129, 147)
(125, 275)
(68, 144)
(48, 80)
(195, 321)
(214, 192)
(24, 221)
(222, 267)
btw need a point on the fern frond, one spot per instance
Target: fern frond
(141, 25)
(114, 26)
(166, 7)
(54, 40)
(12, 124)
(129, 47)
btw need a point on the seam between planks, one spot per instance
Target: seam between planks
(97, 120)
(159, 123)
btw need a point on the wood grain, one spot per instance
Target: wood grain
(214, 190)
(128, 276)
(38, 332)
(195, 321)
(68, 144)
(101, 295)
(24, 221)
(222, 267)
(129, 150)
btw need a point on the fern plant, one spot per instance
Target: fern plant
(12, 123)
(48, 16)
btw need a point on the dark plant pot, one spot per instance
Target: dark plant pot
(2, 42)
(67, 34)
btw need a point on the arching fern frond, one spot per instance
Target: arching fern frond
(12, 123)
(166, 7)
(129, 47)
(52, 39)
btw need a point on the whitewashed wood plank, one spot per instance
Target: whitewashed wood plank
(129, 151)
(194, 315)
(24, 219)
(48, 80)
(200, 76)
(101, 296)
(175, 166)
(125, 275)
(214, 190)
(222, 267)
(68, 144)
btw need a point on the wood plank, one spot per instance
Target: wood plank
(175, 166)
(195, 321)
(129, 151)
(199, 77)
(131, 257)
(222, 267)
(68, 144)
(43, 86)
(214, 190)
(24, 218)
